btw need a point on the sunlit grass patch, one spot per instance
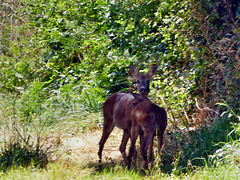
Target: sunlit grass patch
(57, 170)
(228, 172)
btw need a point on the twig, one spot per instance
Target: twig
(206, 108)
(169, 109)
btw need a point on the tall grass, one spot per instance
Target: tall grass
(26, 121)
(200, 153)
(225, 164)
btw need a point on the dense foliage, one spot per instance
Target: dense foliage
(65, 57)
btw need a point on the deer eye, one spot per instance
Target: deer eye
(148, 81)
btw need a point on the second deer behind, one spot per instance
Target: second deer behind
(146, 118)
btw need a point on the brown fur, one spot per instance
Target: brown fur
(117, 110)
(146, 119)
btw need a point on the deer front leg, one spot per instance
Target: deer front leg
(132, 150)
(107, 129)
(122, 148)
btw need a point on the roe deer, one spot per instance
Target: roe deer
(146, 119)
(117, 109)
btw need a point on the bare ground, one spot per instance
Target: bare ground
(83, 148)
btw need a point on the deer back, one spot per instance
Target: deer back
(149, 115)
(118, 108)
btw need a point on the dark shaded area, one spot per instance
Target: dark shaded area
(16, 155)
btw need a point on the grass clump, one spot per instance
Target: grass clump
(16, 155)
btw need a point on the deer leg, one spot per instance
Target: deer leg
(144, 147)
(107, 129)
(132, 149)
(122, 148)
(150, 151)
(135, 158)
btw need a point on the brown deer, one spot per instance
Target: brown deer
(146, 119)
(117, 109)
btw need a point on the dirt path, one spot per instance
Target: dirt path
(84, 147)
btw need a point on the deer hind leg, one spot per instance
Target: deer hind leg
(135, 158)
(122, 148)
(146, 139)
(150, 150)
(107, 129)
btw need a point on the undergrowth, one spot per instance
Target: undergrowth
(59, 60)
(24, 127)
(16, 155)
(185, 151)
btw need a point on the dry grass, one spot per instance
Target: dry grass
(84, 147)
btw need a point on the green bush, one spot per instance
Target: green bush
(190, 149)
(60, 60)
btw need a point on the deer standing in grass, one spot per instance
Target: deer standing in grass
(146, 119)
(117, 110)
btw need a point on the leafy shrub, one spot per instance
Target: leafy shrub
(21, 143)
(186, 150)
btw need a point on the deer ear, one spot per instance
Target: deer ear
(152, 71)
(133, 71)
